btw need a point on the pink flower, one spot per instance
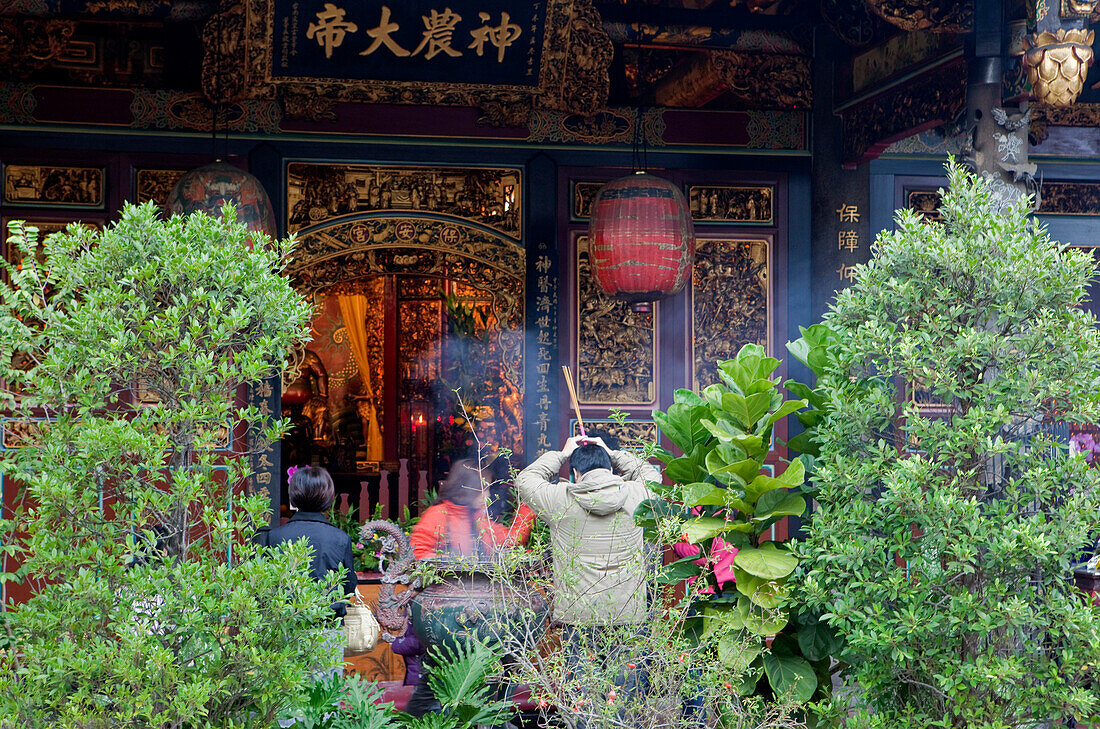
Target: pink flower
(722, 552)
(359, 545)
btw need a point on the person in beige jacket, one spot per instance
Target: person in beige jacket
(599, 558)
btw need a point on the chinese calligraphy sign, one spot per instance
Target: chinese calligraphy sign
(508, 58)
(482, 41)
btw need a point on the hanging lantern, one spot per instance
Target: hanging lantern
(641, 239)
(207, 189)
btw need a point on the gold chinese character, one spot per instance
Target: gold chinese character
(264, 462)
(543, 368)
(263, 389)
(382, 36)
(499, 37)
(847, 239)
(264, 408)
(848, 213)
(847, 272)
(542, 264)
(543, 322)
(437, 37)
(264, 478)
(544, 442)
(330, 28)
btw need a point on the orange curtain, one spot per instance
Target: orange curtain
(353, 308)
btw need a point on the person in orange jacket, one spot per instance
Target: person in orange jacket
(458, 524)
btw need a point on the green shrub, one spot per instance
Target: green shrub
(949, 518)
(151, 607)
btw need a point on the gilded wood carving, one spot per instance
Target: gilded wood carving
(726, 204)
(318, 193)
(53, 186)
(155, 185)
(729, 302)
(616, 346)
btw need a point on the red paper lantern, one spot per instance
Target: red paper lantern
(641, 241)
(207, 189)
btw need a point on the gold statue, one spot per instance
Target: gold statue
(310, 390)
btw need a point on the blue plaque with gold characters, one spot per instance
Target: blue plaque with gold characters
(493, 42)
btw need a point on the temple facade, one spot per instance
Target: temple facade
(438, 161)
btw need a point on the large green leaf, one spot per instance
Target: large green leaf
(779, 503)
(785, 409)
(721, 462)
(764, 593)
(650, 510)
(687, 397)
(766, 561)
(681, 423)
(803, 443)
(704, 494)
(790, 676)
(815, 398)
(679, 570)
(705, 527)
(723, 429)
(747, 411)
(689, 468)
(794, 475)
(736, 652)
(760, 621)
(818, 641)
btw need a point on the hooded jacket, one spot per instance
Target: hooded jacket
(599, 557)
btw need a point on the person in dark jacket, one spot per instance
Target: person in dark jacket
(312, 493)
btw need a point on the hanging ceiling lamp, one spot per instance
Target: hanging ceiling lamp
(209, 188)
(641, 239)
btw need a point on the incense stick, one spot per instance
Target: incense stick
(573, 398)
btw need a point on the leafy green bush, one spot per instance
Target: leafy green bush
(151, 607)
(950, 517)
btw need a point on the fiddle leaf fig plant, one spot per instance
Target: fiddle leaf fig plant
(721, 506)
(951, 509)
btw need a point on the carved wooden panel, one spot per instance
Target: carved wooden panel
(155, 185)
(925, 202)
(728, 204)
(730, 302)
(319, 192)
(616, 346)
(584, 194)
(630, 434)
(54, 186)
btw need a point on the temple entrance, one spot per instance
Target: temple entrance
(416, 360)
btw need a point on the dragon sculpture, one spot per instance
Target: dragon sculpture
(396, 560)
